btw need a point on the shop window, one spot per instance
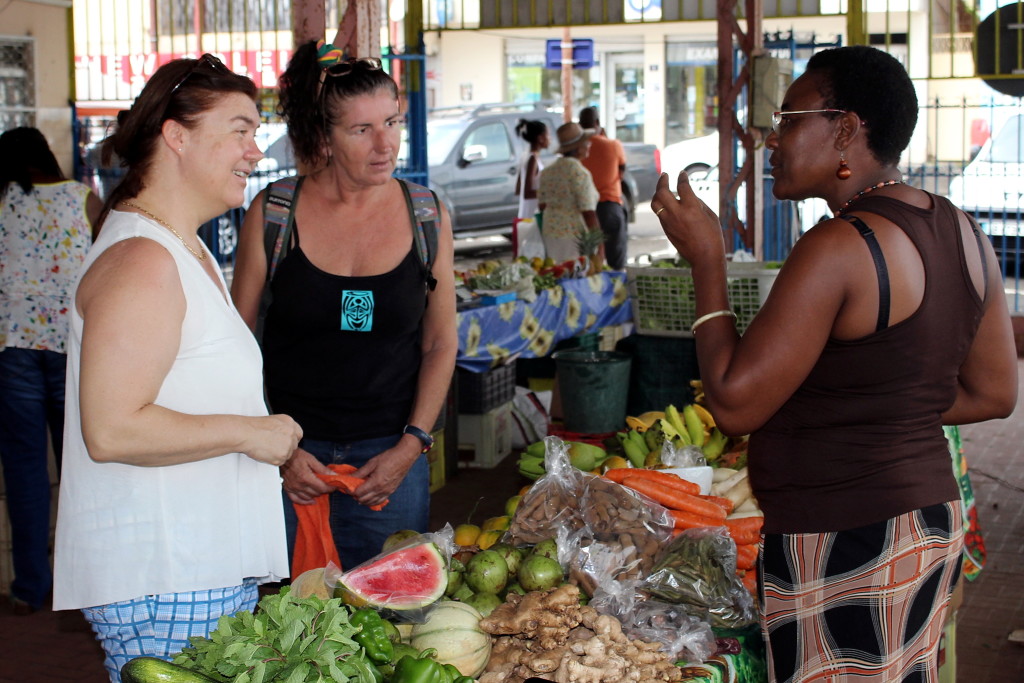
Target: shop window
(17, 84)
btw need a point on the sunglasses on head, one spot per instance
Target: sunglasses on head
(206, 60)
(344, 67)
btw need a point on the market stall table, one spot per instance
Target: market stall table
(575, 306)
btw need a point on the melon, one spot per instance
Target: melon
(453, 630)
(408, 578)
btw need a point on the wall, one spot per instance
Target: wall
(48, 24)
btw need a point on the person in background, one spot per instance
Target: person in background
(358, 345)
(537, 136)
(885, 323)
(568, 199)
(606, 163)
(169, 514)
(46, 226)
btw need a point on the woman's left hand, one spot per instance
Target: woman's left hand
(383, 473)
(690, 225)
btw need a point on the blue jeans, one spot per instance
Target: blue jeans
(31, 400)
(358, 531)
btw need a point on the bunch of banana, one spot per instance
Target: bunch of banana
(531, 461)
(698, 390)
(697, 427)
(644, 421)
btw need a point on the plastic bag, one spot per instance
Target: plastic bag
(443, 540)
(687, 456)
(697, 571)
(553, 500)
(529, 242)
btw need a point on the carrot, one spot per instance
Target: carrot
(689, 520)
(619, 474)
(750, 581)
(723, 503)
(745, 530)
(746, 556)
(674, 499)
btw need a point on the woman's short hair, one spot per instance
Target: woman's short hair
(310, 99)
(530, 130)
(875, 86)
(23, 150)
(181, 90)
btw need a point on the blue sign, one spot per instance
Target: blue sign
(582, 53)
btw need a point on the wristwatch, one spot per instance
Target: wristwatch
(427, 439)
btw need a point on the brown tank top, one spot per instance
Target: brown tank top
(861, 440)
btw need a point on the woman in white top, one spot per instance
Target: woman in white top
(169, 509)
(46, 226)
(537, 135)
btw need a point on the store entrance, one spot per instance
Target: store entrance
(622, 113)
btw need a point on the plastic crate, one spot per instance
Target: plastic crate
(484, 440)
(481, 392)
(663, 303)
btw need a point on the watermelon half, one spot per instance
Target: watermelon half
(408, 578)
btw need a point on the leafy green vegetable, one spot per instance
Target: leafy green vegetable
(288, 639)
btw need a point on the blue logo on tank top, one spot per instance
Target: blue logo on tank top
(356, 310)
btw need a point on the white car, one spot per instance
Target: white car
(991, 188)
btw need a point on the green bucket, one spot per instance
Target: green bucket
(594, 387)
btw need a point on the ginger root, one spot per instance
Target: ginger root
(548, 634)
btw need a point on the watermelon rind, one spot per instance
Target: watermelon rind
(405, 579)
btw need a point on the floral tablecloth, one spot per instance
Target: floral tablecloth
(574, 306)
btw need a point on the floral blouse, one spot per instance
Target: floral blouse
(566, 190)
(44, 236)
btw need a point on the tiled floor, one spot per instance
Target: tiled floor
(48, 646)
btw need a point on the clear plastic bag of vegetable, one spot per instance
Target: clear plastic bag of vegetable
(697, 570)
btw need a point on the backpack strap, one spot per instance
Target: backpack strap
(424, 214)
(278, 217)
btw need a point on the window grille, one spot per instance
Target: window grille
(17, 83)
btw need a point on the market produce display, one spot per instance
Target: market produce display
(598, 570)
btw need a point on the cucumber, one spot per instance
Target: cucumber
(154, 670)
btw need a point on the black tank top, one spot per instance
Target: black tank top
(861, 440)
(342, 354)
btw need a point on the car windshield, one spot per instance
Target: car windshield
(1008, 145)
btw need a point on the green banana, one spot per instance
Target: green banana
(639, 439)
(536, 449)
(634, 453)
(694, 425)
(652, 438)
(674, 419)
(715, 445)
(530, 464)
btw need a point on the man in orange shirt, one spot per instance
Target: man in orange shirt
(606, 163)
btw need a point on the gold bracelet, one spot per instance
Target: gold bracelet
(708, 316)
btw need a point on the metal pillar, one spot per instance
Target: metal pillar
(731, 82)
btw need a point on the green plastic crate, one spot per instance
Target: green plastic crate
(663, 303)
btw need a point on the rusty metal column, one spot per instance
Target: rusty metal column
(359, 32)
(308, 20)
(567, 67)
(750, 43)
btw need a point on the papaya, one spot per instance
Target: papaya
(154, 670)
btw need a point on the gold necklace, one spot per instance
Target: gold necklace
(201, 255)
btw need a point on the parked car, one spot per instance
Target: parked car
(474, 157)
(992, 190)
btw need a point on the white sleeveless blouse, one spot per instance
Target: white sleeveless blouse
(125, 531)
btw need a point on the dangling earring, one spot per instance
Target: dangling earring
(843, 172)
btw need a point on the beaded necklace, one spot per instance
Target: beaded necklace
(866, 190)
(198, 254)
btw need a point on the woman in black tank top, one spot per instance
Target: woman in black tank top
(355, 343)
(884, 324)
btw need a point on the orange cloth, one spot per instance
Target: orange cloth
(314, 543)
(606, 158)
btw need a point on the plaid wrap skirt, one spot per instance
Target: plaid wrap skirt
(867, 604)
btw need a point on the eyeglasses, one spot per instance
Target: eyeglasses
(780, 116)
(344, 68)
